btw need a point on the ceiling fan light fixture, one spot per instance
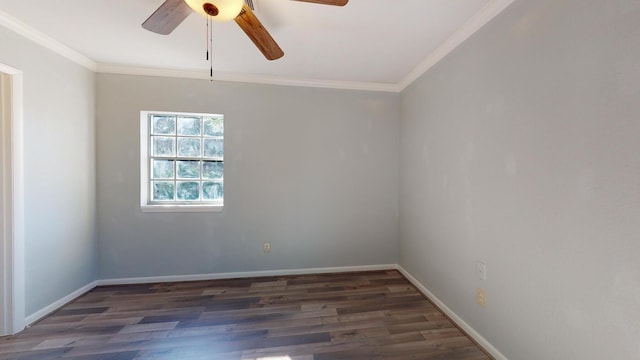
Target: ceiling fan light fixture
(219, 10)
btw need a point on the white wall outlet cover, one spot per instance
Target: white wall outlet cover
(481, 270)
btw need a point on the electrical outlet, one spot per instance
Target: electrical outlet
(481, 270)
(266, 247)
(481, 297)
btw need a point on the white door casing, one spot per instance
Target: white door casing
(12, 279)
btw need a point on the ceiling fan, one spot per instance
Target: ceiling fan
(172, 12)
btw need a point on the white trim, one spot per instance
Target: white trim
(6, 206)
(234, 275)
(48, 42)
(486, 345)
(470, 27)
(248, 274)
(477, 21)
(195, 277)
(177, 206)
(59, 303)
(144, 158)
(180, 208)
(246, 78)
(483, 16)
(12, 237)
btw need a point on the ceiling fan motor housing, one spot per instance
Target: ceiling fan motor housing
(172, 12)
(218, 10)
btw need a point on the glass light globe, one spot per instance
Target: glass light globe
(227, 9)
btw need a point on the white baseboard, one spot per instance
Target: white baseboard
(58, 303)
(486, 345)
(235, 275)
(158, 279)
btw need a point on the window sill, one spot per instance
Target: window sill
(181, 208)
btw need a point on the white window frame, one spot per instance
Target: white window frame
(146, 205)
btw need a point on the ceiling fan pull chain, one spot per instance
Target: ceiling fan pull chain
(208, 21)
(211, 49)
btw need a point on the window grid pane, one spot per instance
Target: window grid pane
(163, 125)
(186, 162)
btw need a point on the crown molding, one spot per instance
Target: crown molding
(477, 21)
(46, 41)
(246, 78)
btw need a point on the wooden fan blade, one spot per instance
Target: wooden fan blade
(327, 2)
(250, 24)
(167, 17)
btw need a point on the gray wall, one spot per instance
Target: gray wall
(521, 149)
(59, 156)
(313, 171)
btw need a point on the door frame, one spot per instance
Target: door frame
(12, 261)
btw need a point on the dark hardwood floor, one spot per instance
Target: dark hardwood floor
(366, 315)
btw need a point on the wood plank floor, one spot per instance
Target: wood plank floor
(365, 315)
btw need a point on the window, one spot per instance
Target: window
(181, 161)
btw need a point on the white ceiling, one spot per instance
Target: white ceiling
(367, 41)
